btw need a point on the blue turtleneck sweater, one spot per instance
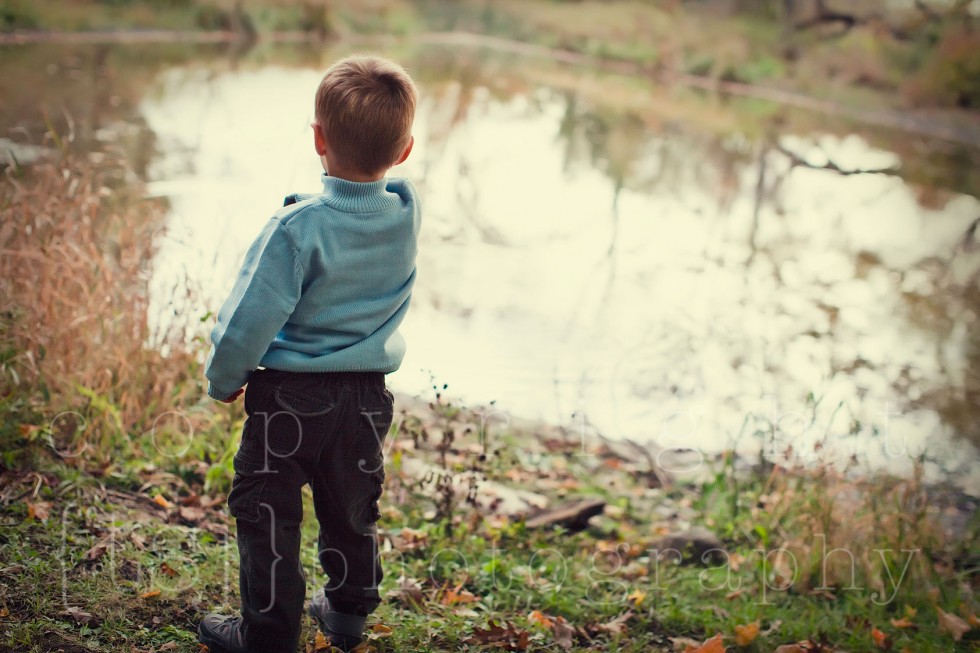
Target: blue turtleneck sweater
(324, 286)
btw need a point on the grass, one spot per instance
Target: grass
(115, 470)
(140, 572)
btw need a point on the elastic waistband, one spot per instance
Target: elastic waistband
(268, 373)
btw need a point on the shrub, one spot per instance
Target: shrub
(950, 75)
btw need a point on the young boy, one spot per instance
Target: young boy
(311, 327)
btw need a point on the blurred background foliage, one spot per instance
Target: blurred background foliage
(919, 53)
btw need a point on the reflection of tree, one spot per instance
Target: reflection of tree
(638, 156)
(91, 92)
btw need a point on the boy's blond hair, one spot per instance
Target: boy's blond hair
(365, 106)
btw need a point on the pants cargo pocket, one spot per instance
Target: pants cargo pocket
(245, 498)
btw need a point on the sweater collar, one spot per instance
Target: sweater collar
(357, 197)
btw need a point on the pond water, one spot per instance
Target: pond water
(603, 253)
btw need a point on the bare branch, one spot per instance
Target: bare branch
(797, 160)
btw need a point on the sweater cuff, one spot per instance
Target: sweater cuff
(216, 393)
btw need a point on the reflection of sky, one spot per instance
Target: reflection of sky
(652, 325)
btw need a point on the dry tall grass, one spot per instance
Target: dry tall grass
(839, 535)
(76, 251)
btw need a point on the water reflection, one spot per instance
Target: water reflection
(587, 261)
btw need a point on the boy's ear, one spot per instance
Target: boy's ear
(319, 142)
(408, 150)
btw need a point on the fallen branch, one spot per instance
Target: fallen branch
(574, 516)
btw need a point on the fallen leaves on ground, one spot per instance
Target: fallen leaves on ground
(408, 592)
(38, 510)
(456, 595)
(408, 539)
(161, 501)
(806, 646)
(540, 618)
(879, 638)
(191, 514)
(636, 597)
(81, 617)
(713, 645)
(168, 570)
(504, 636)
(380, 631)
(99, 549)
(618, 625)
(952, 624)
(745, 635)
(682, 644)
(320, 642)
(563, 631)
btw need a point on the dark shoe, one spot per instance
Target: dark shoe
(345, 631)
(222, 634)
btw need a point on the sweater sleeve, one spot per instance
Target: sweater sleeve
(265, 294)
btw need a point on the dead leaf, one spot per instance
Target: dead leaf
(503, 636)
(713, 645)
(81, 617)
(538, 617)
(215, 528)
(363, 647)
(150, 594)
(39, 510)
(682, 644)
(826, 594)
(457, 595)
(169, 646)
(745, 635)
(99, 548)
(618, 625)
(409, 539)
(161, 501)
(952, 624)
(880, 639)
(168, 570)
(735, 560)
(191, 514)
(902, 623)
(409, 592)
(564, 634)
(320, 642)
(4, 613)
(773, 627)
(636, 597)
(380, 631)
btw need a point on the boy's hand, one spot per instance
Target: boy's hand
(235, 395)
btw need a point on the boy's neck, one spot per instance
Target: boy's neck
(332, 169)
(361, 179)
